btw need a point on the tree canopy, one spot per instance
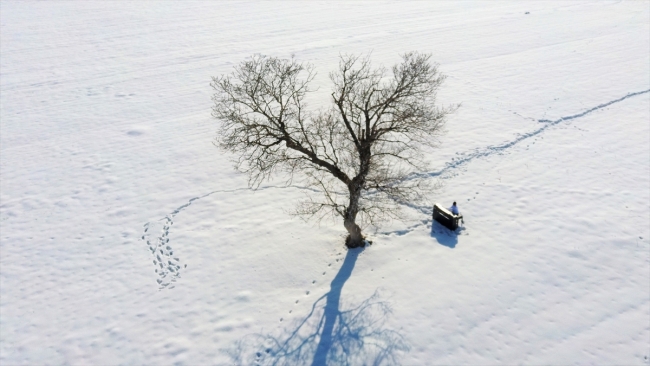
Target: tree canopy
(360, 152)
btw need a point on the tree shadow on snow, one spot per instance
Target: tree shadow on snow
(443, 235)
(329, 335)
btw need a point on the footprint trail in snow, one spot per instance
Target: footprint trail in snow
(490, 150)
(168, 266)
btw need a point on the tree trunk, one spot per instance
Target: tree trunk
(355, 239)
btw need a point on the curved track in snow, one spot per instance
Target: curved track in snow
(495, 149)
(168, 266)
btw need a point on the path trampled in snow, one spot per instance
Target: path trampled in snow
(489, 150)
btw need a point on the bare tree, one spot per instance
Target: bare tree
(361, 152)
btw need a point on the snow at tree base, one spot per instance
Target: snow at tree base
(126, 236)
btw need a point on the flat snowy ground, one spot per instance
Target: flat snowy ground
(106, 145)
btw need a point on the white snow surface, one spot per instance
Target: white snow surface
(106, 146)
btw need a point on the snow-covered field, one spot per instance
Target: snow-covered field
(106, 145)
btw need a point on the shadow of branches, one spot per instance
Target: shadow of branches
(329, 335)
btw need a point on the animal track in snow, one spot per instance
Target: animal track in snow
(313, 282)
(490, 150)
(168, 267)
(407, 230)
